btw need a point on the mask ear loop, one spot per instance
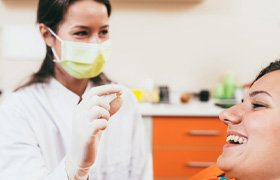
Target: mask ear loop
(57, 59)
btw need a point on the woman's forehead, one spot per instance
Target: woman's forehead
(86, 11)
(269, 82)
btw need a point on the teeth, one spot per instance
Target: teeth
(236, 139)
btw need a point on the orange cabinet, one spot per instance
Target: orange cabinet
(182, 146)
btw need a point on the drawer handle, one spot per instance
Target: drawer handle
(199, 164)
(204, 133)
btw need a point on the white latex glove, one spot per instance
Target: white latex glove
(90, 118)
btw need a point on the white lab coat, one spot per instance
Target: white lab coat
(35, 126)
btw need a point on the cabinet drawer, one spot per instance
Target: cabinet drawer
(188, 131)
(174, 163)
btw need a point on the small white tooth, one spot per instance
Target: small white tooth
(240, 140)
(236, 138)
(232, 137)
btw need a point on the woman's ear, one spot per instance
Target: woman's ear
(47, 36)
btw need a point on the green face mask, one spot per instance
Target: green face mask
(82, 60)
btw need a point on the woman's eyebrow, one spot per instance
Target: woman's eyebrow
(254, 93)
(80, 26)
(86, 27)
(105, 26)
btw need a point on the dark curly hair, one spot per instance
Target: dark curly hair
(273, 66)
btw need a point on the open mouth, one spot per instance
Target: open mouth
(235, 139)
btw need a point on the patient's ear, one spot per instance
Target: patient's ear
(46, 35)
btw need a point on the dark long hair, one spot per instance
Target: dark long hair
(273, 66)
(51, 13)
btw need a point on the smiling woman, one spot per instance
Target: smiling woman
(253, 133)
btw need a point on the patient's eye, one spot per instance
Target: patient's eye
(257, 106)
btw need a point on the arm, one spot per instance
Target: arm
(21, 155)
(19, 151)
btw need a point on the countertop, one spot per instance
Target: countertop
(193, 108)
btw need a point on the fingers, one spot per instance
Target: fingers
(98, 125)
(103, 90)
(102, 96)
(96, 101)
(98, 112)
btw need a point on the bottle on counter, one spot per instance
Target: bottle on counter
(163, 94)
(229, 86)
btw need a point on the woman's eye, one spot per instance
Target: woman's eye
(255, 105)
(81, 33)
(104, 32)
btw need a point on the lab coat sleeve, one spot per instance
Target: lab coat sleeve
(142, 168)
(20, 155)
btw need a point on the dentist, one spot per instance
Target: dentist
(69, 121)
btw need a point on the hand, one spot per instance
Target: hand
(89, 119)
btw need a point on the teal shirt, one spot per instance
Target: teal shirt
(223, 178)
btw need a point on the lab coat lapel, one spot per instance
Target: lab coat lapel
(63, 102)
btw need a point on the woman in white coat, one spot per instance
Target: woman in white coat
(50, 128)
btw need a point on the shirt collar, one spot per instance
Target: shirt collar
(59, 91)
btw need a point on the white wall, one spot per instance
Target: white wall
(187, 46)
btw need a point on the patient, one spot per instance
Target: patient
(252, 151)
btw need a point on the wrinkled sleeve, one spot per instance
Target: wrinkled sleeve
(20, 155)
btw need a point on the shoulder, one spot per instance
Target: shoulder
(18, 101)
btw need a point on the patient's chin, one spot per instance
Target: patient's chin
(224, 163)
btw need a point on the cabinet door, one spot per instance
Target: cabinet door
(182, 146)
(188, 131)
(179, 163)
